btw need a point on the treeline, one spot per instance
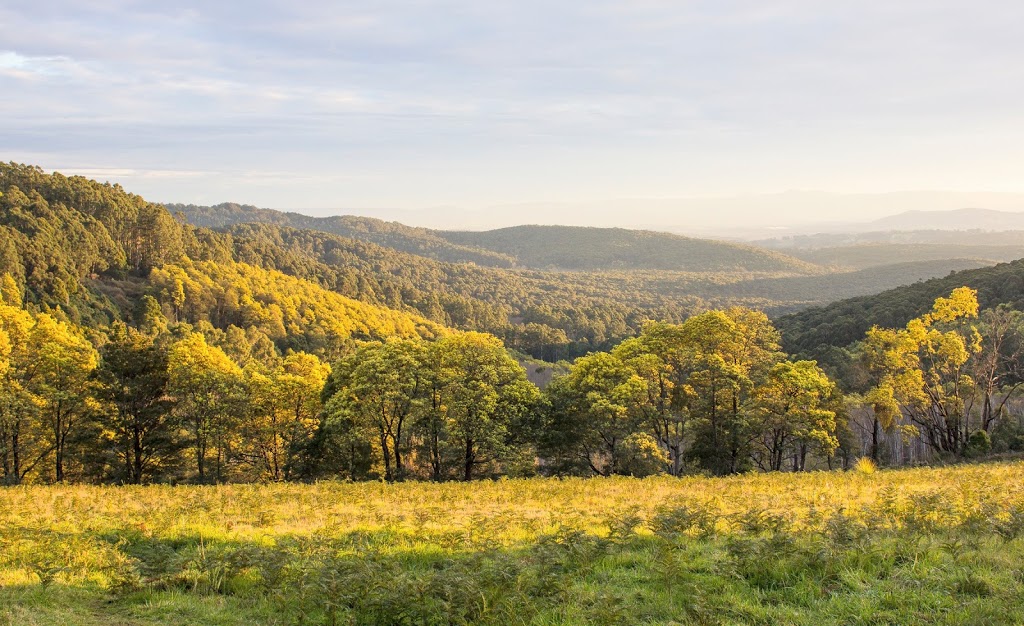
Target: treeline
(153, 402)
(88, 248)
(166, 400)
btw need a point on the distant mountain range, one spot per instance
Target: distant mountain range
(745, 217)
(921, 222)
(960, 219)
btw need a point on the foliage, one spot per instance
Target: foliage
(810, 333)
(921, 371)
(580, 248)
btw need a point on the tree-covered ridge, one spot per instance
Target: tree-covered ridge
(584, 248)
(58, 230)
(547, 314)
(813, 332)
(793, 293)
(878, 254)
(293, 313)
(419, 241)
(535, 247)
(550, 315)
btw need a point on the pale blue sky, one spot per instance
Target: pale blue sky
(417, 104)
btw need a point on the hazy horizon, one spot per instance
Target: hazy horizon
(692, 116)
(741, 217)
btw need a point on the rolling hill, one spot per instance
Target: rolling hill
(592, 249)
(873, 255)
(800, 292)
(419, 241)
(91, 252)
(532, 247)
(814, 331)
(959, 219)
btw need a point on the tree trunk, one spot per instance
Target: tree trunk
(385, 450)
(435, 452)
(396, 444)
(16, 453)
(874, 440)
(58, 443)
(136, 467)
(470, 458)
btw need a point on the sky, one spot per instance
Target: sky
(579, 111)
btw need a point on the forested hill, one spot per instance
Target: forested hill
(96, 251)
(585, 248)
(812, 332)
(92, 253)
(420, 241)
(532, 247)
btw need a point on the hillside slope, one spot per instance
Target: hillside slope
(874, 255)
(588, 249)
(533, 247)
(94, 251)
(813, 331)
(419, 241)
(799, 292)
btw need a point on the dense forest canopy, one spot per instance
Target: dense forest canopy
(135, 347)
(814, 332)
(547, 314)
(583, 248)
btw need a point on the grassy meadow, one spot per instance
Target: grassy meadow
(915, 546)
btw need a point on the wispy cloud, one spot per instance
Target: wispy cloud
(486, 103)
(17, 65)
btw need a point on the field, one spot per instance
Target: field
(918, 546)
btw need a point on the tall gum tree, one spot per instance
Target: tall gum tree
(922, 371)
(59, 374)
(482, 392)
(728, 353)
(205, 382)
(133, 376)
(381, 387)
(595, 407)
(21, 442)
(796, 407)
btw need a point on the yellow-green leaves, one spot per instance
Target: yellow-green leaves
(797, 406)
(10, 293)
(921, 373)
(206, 384)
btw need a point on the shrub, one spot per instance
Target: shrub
(978, 444)
(865, 465)
(642, 456)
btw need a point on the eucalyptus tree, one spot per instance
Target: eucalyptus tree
(796, 407)
(205, 383)
(479, 396)
(381, 387)
(59, 374)
(133, 373)
(922, 371)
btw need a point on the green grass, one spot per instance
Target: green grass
(921, 546)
